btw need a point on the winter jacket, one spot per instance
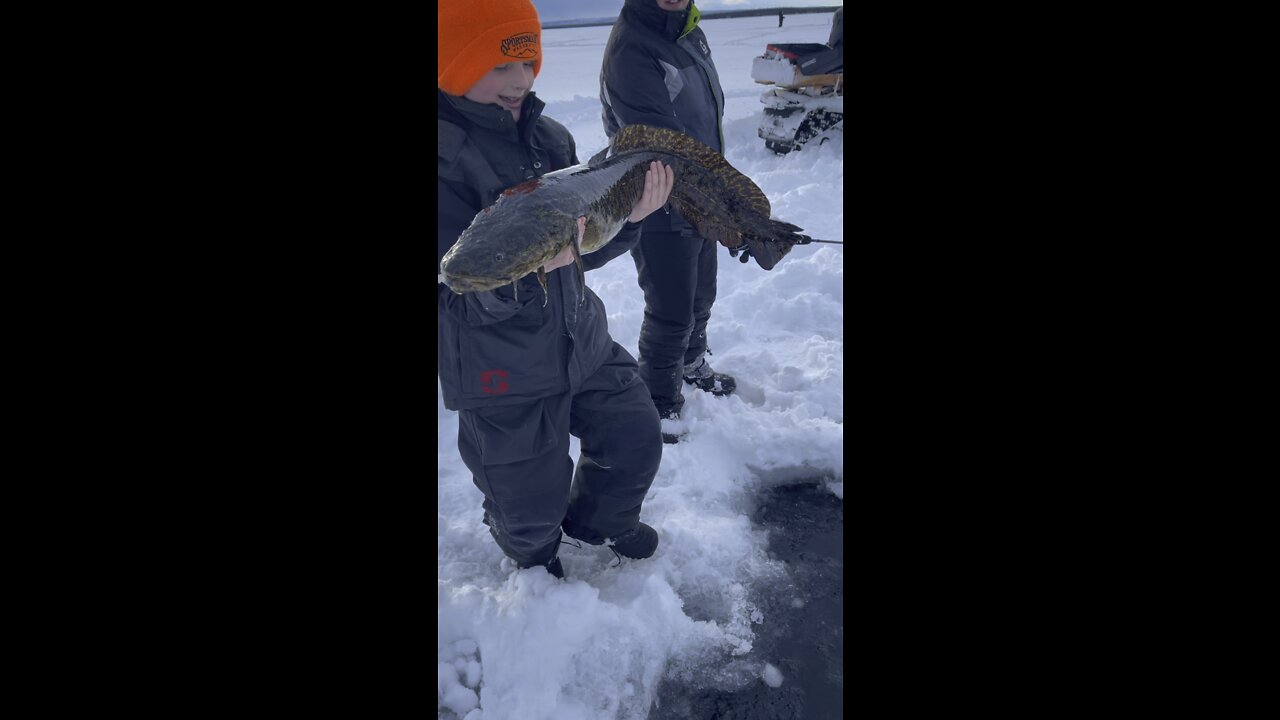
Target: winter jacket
(658, 71)
(497, 348)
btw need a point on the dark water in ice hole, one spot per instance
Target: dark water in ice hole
(806, 531)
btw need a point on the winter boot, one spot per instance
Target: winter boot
(672, 430)
(636, 544)
(552, 566)
(700, 375)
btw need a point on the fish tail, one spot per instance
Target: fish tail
(774, 241)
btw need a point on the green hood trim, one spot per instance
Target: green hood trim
(692, 22)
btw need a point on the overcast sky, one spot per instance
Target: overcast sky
(582, 9)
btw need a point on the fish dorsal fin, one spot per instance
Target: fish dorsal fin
(644, 137)
(598, 157)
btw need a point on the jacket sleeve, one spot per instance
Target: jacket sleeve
(626, 239)
(573, 151)
(636, 84)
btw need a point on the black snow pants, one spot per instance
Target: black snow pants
(678, 276)
(518, 456)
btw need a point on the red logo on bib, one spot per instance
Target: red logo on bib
(493, 381)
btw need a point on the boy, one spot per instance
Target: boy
(522, 375)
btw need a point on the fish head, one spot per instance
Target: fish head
(506, 241)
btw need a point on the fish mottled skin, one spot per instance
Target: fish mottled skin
(532, 222)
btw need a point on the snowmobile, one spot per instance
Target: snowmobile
(808, 100)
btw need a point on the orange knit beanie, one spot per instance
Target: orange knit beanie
(475, 36)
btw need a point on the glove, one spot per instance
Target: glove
(744, 249)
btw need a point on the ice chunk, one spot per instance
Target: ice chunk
(772, 676)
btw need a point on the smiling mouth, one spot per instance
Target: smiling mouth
(510, 102)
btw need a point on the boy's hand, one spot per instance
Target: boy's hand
(566, 255)
(658, 180)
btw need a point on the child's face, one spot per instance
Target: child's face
(505, 85)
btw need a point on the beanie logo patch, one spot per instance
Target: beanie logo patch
(523, 46)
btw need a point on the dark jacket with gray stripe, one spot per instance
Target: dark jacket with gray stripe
(496, 349)
(655, 73)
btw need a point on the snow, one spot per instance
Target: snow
(521, 644)
(775, 70)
